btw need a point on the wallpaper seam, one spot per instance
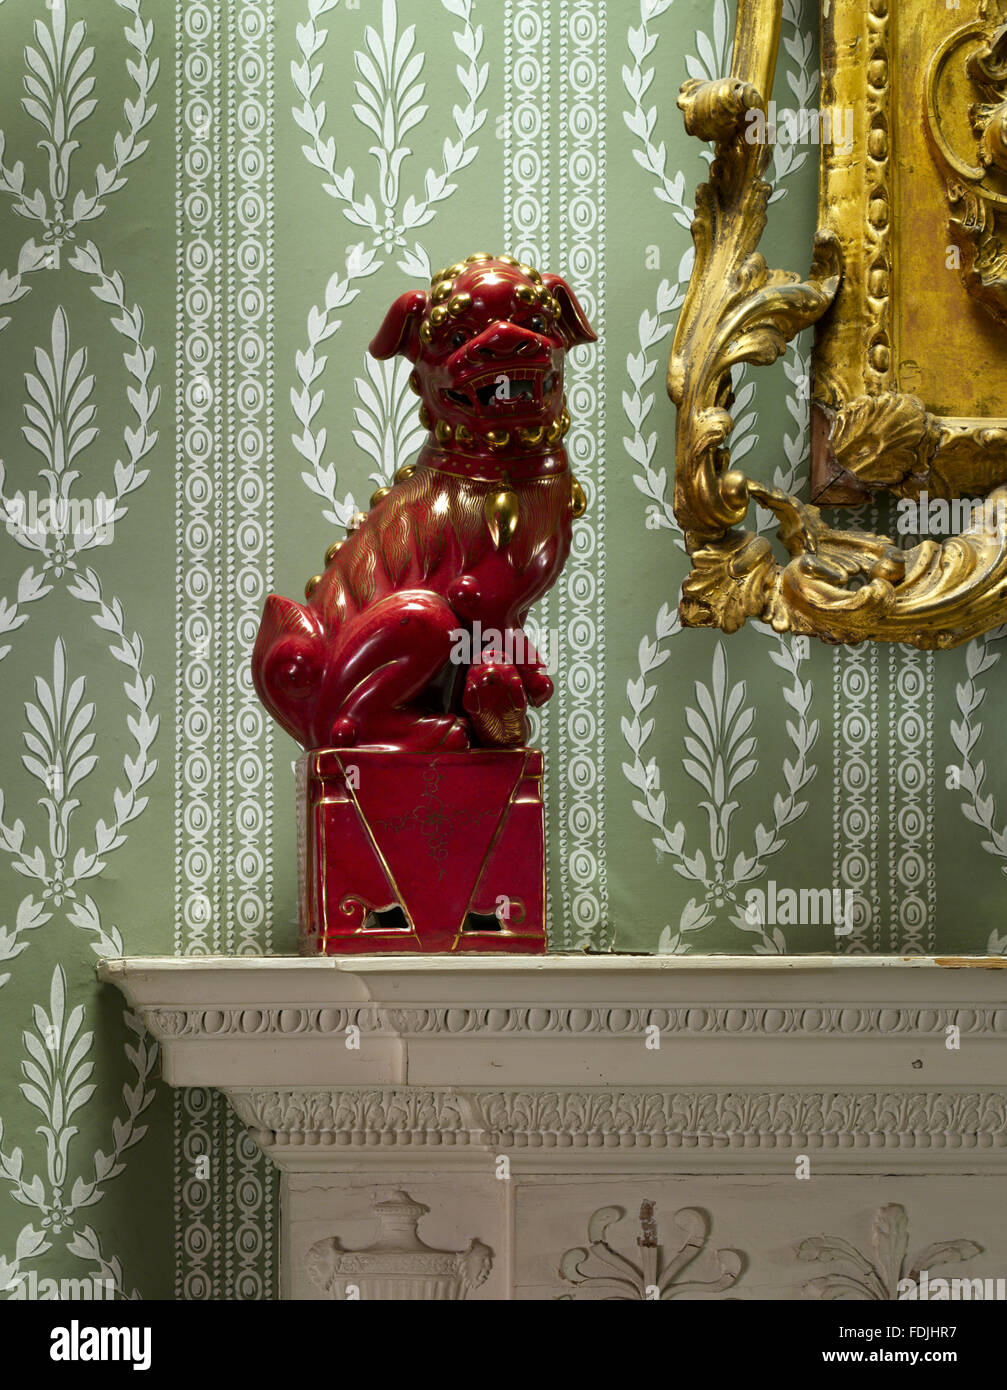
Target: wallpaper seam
(201, 653)
(582, 169)
(528, 43)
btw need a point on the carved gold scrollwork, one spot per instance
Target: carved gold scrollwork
(840, 586)
(976, 183)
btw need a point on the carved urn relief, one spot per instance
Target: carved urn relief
(399, 1264)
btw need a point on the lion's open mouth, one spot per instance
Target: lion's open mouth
(502, 390)
(506, 388)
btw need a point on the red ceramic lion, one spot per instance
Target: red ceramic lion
(467, 539)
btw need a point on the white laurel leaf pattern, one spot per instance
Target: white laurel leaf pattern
(61, 748)
(978, 805)
(387, 428)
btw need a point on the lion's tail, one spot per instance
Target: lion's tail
(288, 663)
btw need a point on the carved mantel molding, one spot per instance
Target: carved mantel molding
(359, 1076)
(647, 1054)
(604, 1129)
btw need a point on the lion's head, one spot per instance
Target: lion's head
(487, 343)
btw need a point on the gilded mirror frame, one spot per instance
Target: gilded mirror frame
(869, 431)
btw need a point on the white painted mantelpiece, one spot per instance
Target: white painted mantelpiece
(756, 1102)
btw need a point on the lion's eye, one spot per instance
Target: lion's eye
(458, 337)
(537, 324)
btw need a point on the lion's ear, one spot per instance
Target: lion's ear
(399, 332)
(572, 316)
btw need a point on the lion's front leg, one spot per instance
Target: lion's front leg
(498, 690)
(530, 667)
(494, 700)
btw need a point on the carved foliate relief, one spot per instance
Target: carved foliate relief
(686, 1117)
(687, 1265)
(661, 1270)
(887, 1270)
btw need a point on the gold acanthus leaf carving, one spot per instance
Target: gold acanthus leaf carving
(887, 440)
(976, 197)
(975, 231)
(848, 586)
(758, 310)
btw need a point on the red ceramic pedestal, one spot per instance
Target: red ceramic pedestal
(421, 852)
